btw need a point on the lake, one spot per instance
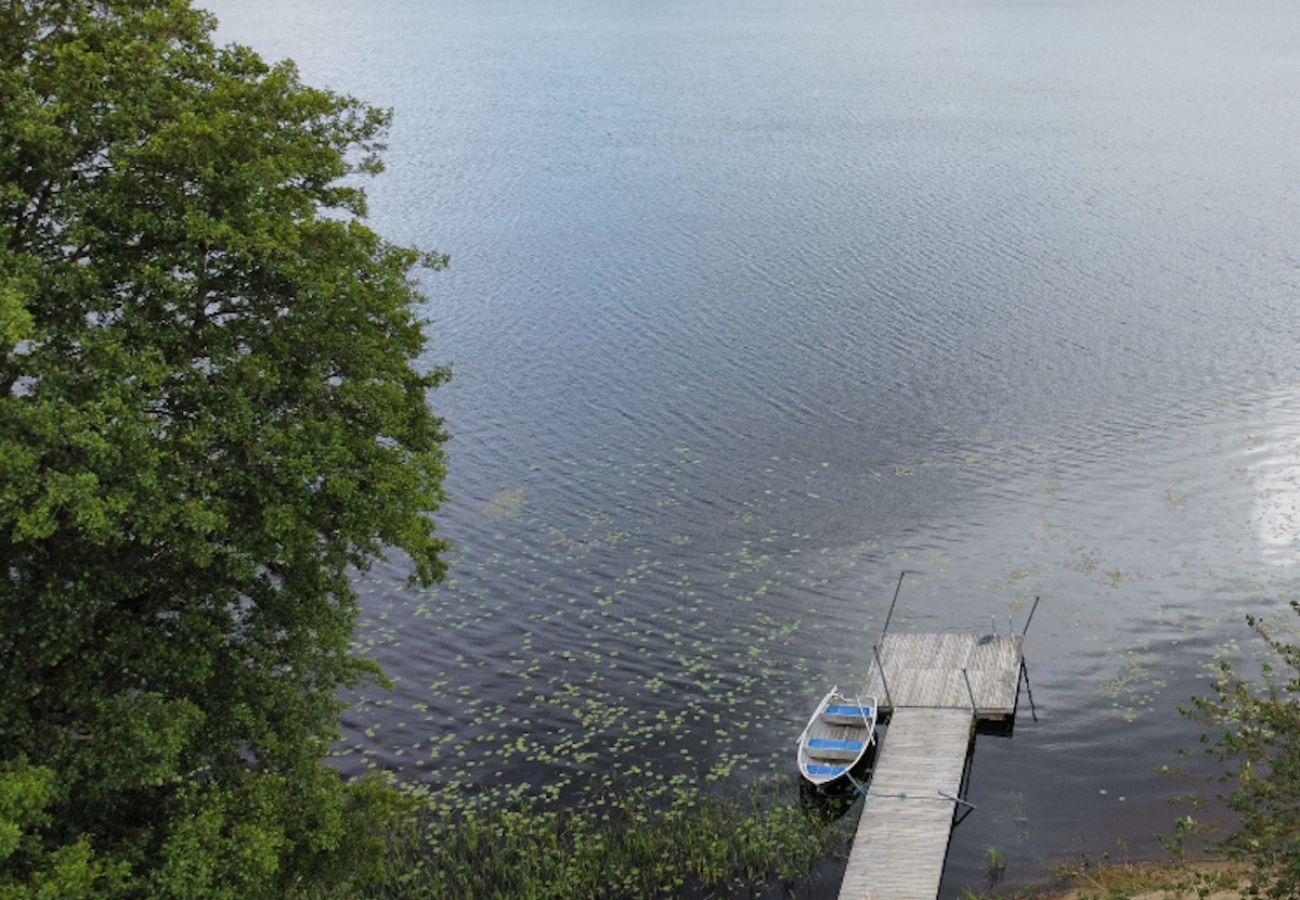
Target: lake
(754, 304)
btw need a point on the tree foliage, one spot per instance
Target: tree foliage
(210, 415)
(1256, 739)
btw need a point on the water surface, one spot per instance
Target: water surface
(753, 304)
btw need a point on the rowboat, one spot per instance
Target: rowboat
(836, 737)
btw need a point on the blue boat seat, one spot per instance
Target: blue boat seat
(846, 714)
(856, 711)
(834, 750)
(818, 769)
(828, 744)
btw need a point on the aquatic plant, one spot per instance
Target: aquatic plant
(995, 865)
(624, 844)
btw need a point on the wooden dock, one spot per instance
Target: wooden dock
(902, 839)
(903, 833)
(925, 670)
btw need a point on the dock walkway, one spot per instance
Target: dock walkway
(903, 834)
(902, 839)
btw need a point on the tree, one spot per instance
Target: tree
(1256, 739)
(210, 416)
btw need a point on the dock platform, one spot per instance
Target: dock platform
(902, 838)
(925, 670)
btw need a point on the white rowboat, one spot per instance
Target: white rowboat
(836, 737)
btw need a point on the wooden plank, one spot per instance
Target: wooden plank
(925, 670)
(902, 837)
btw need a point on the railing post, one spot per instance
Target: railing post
(970, 693)
(1031, 617)
(898, 587)
(876, 649)
(1024, 673)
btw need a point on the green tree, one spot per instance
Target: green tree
(1255, 736)
(210, 415)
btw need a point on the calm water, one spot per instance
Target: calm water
(753, 304)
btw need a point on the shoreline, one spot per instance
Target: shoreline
(1205, 878)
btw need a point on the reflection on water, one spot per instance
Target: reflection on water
(1274, 467)
(755, 303)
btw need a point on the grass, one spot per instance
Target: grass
(1100, 879)
(631, 846)
(995, 865)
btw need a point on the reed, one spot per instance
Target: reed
(626, 845)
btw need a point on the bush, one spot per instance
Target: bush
(1255, 737)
